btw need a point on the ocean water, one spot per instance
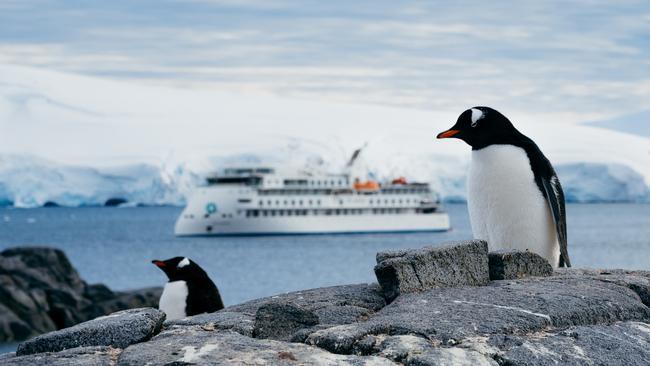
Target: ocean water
(115, 246)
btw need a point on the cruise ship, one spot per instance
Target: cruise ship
(263, 201)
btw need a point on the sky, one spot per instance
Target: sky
(587, 59)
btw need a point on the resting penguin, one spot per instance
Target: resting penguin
(515, 199)
(189, 290)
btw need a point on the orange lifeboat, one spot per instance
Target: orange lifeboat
(400, 180)
(366, 186)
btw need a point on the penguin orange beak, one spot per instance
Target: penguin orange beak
(160, 264)
(447, 134)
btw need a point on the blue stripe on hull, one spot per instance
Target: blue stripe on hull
(319, 233)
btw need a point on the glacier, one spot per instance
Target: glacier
(74, 140)
(35, 182)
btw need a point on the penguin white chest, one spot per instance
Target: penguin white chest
(506, 207)
(174, 300)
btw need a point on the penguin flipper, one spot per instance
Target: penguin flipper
(555, 197)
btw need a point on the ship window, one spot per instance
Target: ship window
(340, 202)
(277, 202)
(311, 202)
(286, 202)
(300, 202)
(289, 213)
(261, 203)
(319, 202)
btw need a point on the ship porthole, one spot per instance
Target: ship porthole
(208, 228)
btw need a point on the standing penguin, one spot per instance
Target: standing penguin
(189, 290)
(515, 199)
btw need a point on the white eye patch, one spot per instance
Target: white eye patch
(183, 263)
(476, 115)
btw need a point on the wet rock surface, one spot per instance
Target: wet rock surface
(451, 265)
(118, 330)
(574, 317)
(40, 291)
(511, 264)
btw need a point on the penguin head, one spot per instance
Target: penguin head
(179, 268)
(480, 127)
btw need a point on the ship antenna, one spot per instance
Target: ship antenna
(355, 155)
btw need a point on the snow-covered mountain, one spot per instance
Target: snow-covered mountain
(75, 140)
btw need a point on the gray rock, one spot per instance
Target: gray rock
(625, 343)
(110, 302)
(637, 281)
(396, 348)
(119, 330)
(344, 314)
(367, 296)
(513, 264)
(193, 345)
(452, 265)
(449, 357)
(40, 291)
(13, 328)
(221, 320)
(503, 307)
(280, 320)
(98, 356)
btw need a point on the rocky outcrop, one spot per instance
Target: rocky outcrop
(452, 265)
(118, 330)
(40, 291)
(511, 264)
(573, 317)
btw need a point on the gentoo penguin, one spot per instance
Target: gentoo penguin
(515, 199)
(189, 290)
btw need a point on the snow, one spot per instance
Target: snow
(634, 123)
(77, 140)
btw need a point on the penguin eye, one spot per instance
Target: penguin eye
(474, 124)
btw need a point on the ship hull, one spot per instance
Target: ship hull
(299, 225)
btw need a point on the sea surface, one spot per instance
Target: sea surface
(115, 246)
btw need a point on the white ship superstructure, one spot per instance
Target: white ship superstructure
(260, 201)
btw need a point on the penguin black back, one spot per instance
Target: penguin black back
(202, 294)
(481, 127)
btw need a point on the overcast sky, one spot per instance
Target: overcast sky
(591, 58)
